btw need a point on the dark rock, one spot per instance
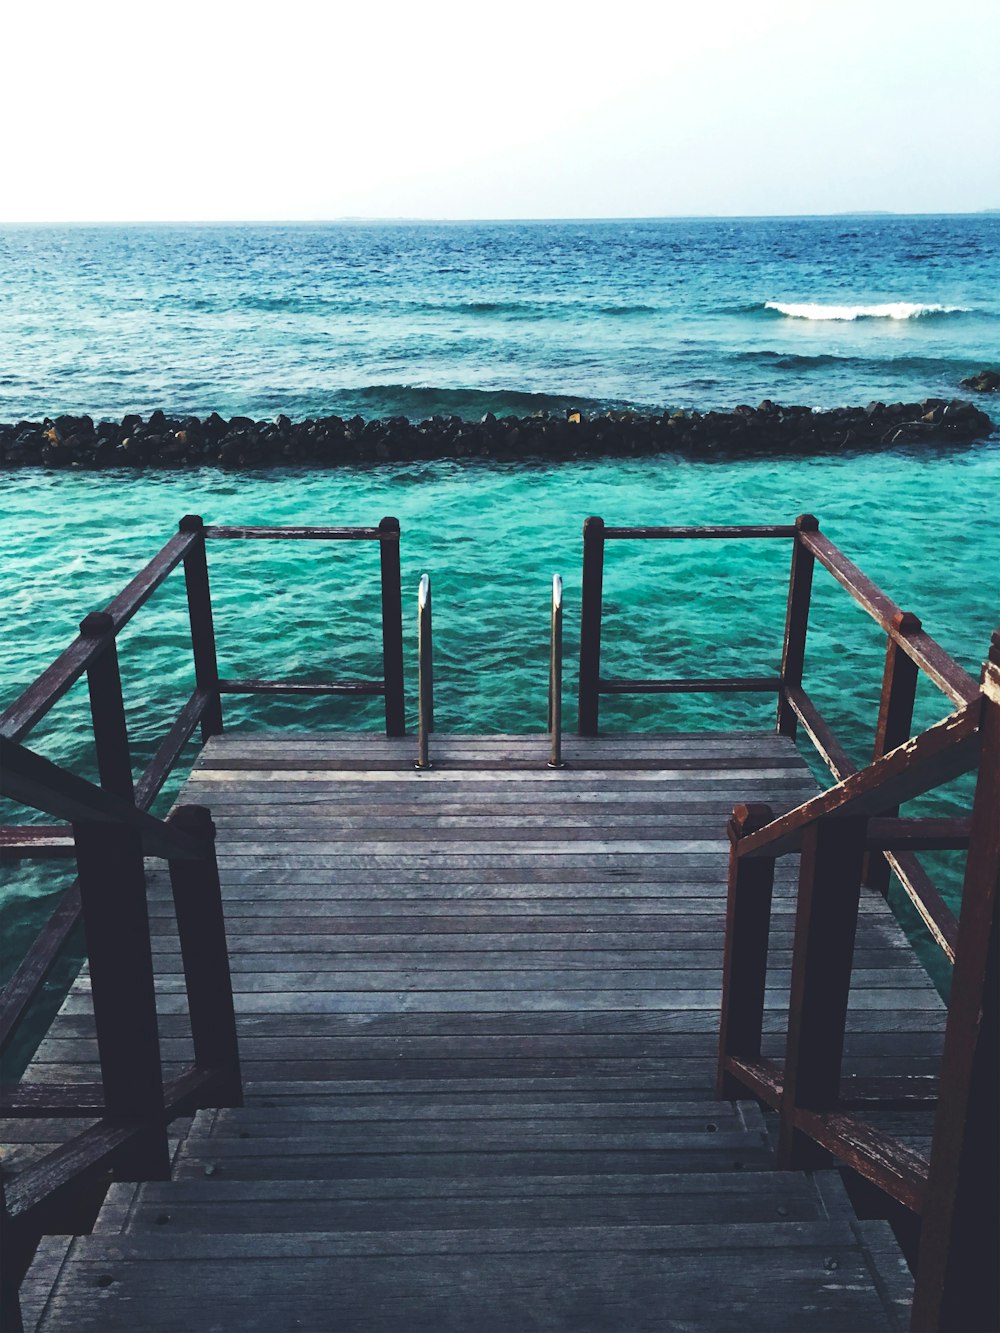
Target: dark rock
(987, 381)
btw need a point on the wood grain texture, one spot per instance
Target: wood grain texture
(477, 1011)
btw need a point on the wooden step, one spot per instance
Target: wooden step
(785, 1277)
(222, 1205)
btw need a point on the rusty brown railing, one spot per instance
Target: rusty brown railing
(955, 1192)
(90, 655)
(910, 652)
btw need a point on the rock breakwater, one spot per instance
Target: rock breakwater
(240, 442)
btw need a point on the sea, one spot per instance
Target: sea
(418, 319)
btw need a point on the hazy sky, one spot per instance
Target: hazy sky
(129, 110)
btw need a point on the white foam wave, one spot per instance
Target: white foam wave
(891, 310)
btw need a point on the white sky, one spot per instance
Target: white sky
(201, 109)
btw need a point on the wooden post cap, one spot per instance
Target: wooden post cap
(747, 819)
(95, 625)
(807, 523)
(194, 819)
(191, 523)
(906, 622)
(388, 525)
(593, 527)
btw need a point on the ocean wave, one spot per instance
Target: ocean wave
(814, 310)
(891, 364)
(551, 309)
(419, 401)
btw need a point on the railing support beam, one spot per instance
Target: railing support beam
(590, 626)
(392, 627)
(107, 708)
(199, 598)
(116, 922)
(744, 969)
(895, 723)
(956, 1288)
(201, 929)
(793, 654)
(826, 919)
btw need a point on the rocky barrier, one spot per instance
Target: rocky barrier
(174, 442)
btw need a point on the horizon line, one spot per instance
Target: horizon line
(361, 218)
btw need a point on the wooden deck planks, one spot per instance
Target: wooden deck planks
(486, 996)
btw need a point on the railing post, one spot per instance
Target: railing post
(895, 724)
(555, 676)
(107, 708)
(956, 1281)
(201, 929)
(392, 627)
(826, 918)
(199, 599)
(16, 1258)
(425, 671)
(748, 926)
(793, 654)
(116, 924)
(590, 626)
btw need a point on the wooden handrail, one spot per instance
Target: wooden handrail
(707, 685)
(716, 533)
(902, 627)
(24, 842)
(955, 1194)
(94, 653)
(303, 687)
(216, 532)
(35, 781)
(27, 710)
(941, 753)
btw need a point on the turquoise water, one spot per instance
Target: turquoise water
(921, 524)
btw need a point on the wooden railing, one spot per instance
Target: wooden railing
(955, 1194)
(390, 687)
(94, 654)
(133, 1104)
(909, 653)
(108, 830)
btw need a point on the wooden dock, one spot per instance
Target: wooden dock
(583, 1034)
(478, 1017)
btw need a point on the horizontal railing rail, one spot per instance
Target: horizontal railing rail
(954, 1193)
(910, 653)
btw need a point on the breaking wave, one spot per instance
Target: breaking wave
(890, 310)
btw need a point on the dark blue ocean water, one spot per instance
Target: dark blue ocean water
(415, 319)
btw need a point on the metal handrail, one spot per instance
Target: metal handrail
(555, 676)
(425, 667)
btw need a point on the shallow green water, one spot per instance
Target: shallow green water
(921, 524)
